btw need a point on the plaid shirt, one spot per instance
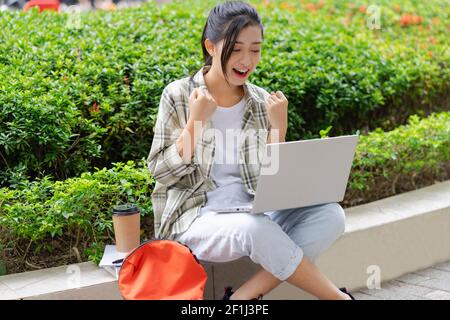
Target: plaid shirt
(181, 189)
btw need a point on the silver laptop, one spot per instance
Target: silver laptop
(302, 173)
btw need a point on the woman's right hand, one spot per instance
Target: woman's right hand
(201, 106)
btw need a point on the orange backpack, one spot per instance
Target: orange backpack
(162, 270)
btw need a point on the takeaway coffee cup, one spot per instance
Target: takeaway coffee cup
(127, 222)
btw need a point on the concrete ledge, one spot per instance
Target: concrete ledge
(74, 281)
(396, 235)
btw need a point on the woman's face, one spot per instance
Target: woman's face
(245, 56)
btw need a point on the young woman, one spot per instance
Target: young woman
(198, 166)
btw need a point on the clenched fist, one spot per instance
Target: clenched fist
(277, 111)
(201, 106)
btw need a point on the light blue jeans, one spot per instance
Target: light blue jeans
(276, 240)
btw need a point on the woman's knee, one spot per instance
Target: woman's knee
(333, 226)
(335, 216)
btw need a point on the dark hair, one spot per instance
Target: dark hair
(225, 21)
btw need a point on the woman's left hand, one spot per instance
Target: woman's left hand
(277, 111)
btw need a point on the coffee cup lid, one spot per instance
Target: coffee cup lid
(125, 209)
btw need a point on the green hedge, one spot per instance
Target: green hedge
(387, 163)
(407, 149)
(75, 98)
(78, 209)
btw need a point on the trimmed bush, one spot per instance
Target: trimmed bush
(406, 158)
(72, 99)
(78, 209)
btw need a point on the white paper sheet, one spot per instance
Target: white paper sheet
(109, 255)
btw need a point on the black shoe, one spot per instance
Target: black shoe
(228, 293)
(344, 290)
(260, 297)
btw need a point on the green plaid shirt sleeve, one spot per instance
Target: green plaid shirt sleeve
(164, 161)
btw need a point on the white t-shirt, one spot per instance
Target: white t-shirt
(225, 171)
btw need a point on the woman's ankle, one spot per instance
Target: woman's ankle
(237, 296)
